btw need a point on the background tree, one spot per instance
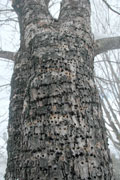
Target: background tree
(107, 75)
(107, 67)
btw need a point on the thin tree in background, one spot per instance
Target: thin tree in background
(109, 87)
(107, 68)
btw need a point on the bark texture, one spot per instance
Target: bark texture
(56, 129)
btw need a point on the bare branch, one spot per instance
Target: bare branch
(7, 10)
(106, 44)
(9, 20)
(99, 61)
(4, 85)
(110, 7)
(7, 55)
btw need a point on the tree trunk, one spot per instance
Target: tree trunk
(56, 128)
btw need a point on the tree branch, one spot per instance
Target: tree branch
(110, 7)
(7, 55)
(7, 10)
(4, 85)
(106, 44)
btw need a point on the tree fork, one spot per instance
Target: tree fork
(56, 128)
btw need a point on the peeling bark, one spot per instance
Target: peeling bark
(56, 128)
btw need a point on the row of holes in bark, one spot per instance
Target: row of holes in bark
(43, 122)
(46, 63)
(59, 68)
(64, 123)
(30, 134)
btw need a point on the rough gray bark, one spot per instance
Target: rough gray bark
(56, 129)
